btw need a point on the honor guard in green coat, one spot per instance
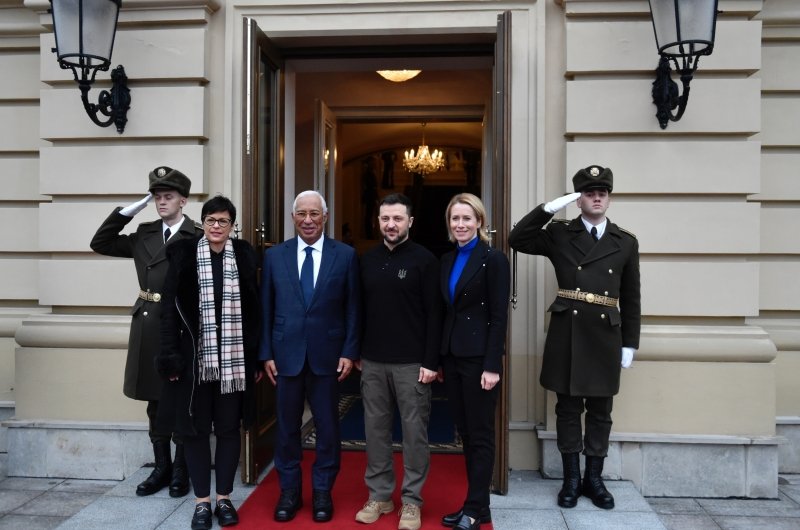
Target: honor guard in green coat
(594, 325)
(168, 189)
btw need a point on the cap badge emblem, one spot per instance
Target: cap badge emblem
(594, 171)
(161, 172)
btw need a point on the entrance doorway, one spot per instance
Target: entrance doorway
(459, 72)
(369, 170)
(370, 166)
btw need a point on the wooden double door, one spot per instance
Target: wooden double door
(267, 188)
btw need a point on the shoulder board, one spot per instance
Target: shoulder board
(562, 221)
(149, 223)
(627, 232)
(198, 225)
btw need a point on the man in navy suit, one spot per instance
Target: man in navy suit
(310, 294)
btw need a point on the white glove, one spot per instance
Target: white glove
(556, 204)
(138, 206)
(627, 356)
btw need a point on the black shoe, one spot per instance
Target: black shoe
(179, 484)
(571, 487)
(593, 486)
(451, 519)
(226, 513)
(162, 472)
(201, 520)
(289, 502)
(464, 524)
(322, 505)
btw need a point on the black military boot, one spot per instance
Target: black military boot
(179, 486)
(162, 473)
(571, 487)
(593, 486)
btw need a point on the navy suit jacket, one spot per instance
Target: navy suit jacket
(329, 329)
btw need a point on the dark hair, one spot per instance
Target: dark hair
(219, 203)
(397, 198)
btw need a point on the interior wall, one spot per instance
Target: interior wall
(367, 89)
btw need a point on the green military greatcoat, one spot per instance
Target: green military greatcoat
(582, 352)
(146, 247)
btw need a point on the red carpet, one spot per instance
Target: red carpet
(443, 493)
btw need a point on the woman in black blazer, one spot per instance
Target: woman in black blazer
(475, 285)
(210, 328)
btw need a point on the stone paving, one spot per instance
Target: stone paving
(38, 503)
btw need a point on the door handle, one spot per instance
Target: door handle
(490, 232)
(513, 277)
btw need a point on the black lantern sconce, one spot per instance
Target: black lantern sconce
(684, 30)
(84, 31)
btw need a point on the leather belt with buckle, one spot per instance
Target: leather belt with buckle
(150, 297)
(590, 298)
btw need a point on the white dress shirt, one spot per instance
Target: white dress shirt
(317, 253)
(601, 228)
(172, 229)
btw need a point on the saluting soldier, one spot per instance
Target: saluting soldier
(594, 324)
(169, 188)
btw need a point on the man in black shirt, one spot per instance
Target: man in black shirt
(399, 360)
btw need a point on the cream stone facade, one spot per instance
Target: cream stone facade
(711, 406)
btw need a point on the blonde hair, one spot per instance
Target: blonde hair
(480, 214)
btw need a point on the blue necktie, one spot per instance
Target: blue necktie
(307, 276)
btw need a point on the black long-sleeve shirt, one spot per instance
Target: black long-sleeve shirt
(402, 305)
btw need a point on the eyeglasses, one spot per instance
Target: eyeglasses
(211, 221)
(315, 215)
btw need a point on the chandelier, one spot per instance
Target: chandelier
(423, 162)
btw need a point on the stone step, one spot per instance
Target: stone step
(7, 411)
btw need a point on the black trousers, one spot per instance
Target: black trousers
(224, 411)
(473, 411)
(598, 424)
(155, 434)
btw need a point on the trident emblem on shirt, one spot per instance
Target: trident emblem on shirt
(401, 274)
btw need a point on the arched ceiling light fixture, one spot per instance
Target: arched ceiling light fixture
(398, 76)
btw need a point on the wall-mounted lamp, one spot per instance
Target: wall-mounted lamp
(84, 31)
(684, 30)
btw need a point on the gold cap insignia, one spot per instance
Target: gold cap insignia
(594, 171)
(161, 172)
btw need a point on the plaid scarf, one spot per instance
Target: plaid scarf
(228, 366)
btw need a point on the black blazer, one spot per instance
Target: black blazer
(476, 320)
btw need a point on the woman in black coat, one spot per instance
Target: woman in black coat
(475, 285)
(210, 330)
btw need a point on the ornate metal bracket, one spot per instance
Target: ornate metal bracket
(114, 104)
(665, 92)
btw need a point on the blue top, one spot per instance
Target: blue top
(459, 263)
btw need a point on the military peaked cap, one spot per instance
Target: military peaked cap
(166, 177)
(593, 177)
